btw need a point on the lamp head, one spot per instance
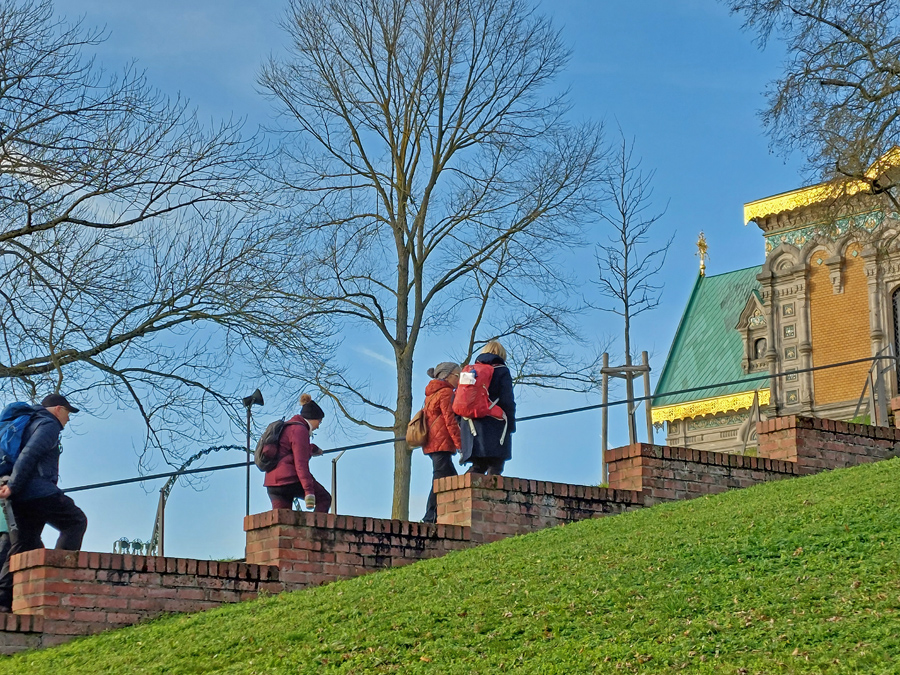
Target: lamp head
(256, 398)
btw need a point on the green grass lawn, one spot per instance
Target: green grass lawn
(798, 576)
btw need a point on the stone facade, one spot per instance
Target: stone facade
(829, 292)
(711, 433)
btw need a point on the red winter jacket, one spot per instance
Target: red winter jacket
(443, 428)
(294, 451)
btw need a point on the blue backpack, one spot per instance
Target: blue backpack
(13, 420)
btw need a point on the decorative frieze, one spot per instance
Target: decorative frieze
(709, 406)
(834, 230)
(704, 423)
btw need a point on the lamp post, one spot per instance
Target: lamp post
(256, 398)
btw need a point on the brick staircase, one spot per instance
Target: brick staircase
(61, 594)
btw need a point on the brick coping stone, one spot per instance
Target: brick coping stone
(701, 457)
(537, 487)
(123, 562)
(821, 424)
(356, 524)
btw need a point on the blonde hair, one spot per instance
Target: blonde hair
(494, 347)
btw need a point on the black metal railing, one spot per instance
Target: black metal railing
(527, 418)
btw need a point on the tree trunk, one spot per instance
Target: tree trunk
(402, 452)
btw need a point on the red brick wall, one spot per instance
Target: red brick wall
(495, 507)
(817, 444)
(662, 473)
(59, 594)
(78, 593)
(19, 632)
(316, 548)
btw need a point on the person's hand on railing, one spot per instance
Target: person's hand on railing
(315, 450)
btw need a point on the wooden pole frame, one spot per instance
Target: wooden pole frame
(629, 373)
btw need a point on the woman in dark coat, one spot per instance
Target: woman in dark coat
(291, 477)
(484, 449)
(443, 428)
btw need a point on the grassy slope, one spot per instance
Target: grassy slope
(799, 576)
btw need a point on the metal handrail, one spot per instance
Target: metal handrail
(527, 418)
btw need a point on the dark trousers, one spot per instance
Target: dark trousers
(5, 543)
(442, 465)
(282, 496)
(489, 465)
(59, 512)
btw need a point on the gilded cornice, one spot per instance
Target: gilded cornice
(815, 194)
(802, 197)
(709, 406)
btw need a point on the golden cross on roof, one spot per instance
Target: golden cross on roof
(702, 251)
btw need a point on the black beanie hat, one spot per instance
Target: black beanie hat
(310, 409)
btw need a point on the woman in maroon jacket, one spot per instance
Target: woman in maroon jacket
(291, 477)
(443, 428)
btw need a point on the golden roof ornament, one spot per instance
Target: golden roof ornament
(702, 251)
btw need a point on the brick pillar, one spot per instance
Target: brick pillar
(818, 444)
(661, 473)
(895, 410)
(317, 548)
(81, 592)
(495, 507)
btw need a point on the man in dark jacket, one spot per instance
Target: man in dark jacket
(33, 492)
(490, 447)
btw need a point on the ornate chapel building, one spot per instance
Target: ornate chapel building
(828, 292)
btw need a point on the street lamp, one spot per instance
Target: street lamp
(256, 398)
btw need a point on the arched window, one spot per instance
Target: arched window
(759, 348)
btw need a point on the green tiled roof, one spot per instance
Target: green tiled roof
(707, 349)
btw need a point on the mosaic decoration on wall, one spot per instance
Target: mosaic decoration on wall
(866, 221)
(790, 353)
(791, 377)
(792, 396)
(715, 422)
(788, 309)
(789, 331)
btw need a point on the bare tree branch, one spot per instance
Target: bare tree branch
(428, 152)
(626, 269)
(137, 263)
(839, 96)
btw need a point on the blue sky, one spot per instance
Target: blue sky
(679, 76)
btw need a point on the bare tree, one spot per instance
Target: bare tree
(135, 261)
(536, 297)
(838, 100)
(432, 166)
(626, 269)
